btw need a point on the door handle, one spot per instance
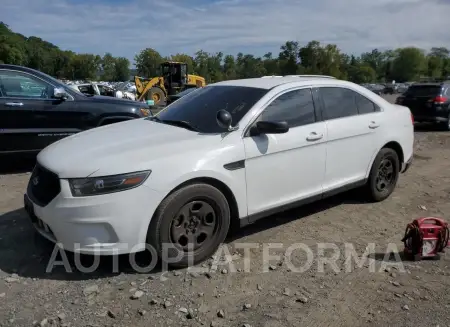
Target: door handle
(314, 136)
(373, 125)
(14, 104)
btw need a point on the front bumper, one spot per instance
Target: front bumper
(108, 224)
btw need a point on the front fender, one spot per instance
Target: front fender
(234, 180)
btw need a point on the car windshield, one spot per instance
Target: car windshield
(187, 91)
(199, 109)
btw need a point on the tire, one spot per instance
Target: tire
(446, 125)
(166, 224)
(156, 94)
(375, 192)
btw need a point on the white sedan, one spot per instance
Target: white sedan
(229, 153)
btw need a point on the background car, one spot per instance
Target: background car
(428, 102)
(37, 110)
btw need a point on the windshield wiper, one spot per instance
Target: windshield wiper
(155, 118)
(180, 123)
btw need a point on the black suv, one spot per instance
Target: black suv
(37, 109)
(428, 102)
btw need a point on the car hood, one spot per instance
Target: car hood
(117, 148)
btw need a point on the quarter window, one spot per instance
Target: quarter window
(364, 105)
(294, 107)
(338, 102)
(20, 85)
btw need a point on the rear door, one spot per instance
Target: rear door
(418, 98)
(351, 136)
(21, 95)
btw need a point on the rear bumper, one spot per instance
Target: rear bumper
(430, 119)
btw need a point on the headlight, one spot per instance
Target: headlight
(107, 184)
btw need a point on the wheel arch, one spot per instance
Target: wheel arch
(222, 187)
(394, 145)
(398, 149)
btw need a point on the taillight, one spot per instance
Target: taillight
(439, 99)
(412, 118)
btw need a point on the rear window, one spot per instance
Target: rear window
(424, 90)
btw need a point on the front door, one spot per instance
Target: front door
(284, 168)
(21, 94)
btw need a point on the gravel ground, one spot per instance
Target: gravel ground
(407, 294)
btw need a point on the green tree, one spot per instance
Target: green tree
(288, 58)
(409, 64)
(121, 69)
(229, 68)
(148, 62)
(271, 65)
(108, 67)
(311, 57)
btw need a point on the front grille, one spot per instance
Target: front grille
(43, 186)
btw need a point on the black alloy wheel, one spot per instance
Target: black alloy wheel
(195, 225)
(383, 175)
(192, 221)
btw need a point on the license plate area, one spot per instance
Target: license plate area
(38, 223)
(28, 206)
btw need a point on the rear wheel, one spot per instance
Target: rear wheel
(191, 222)
(446, 125)
(383, 175)
(157, 95)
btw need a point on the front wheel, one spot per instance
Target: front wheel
(189, 225)
(383, 175)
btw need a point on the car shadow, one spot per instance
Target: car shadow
(26, 253)
(425, 127)
(285, 217)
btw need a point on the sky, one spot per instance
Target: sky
(124, 27)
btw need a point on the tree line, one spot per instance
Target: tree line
(401, 65)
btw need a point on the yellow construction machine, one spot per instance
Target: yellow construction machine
(174, 79)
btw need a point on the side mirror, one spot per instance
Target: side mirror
(269, 127)
(224, 119)
(60, 93)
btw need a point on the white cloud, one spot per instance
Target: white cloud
(253, 26)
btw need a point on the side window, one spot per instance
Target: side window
(101, 89)
(338, 102)
(294, 107)
(87, 89)
(364, 105)
(21, 85)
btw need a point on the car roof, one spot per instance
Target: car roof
(269, 82)
(20, 68)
